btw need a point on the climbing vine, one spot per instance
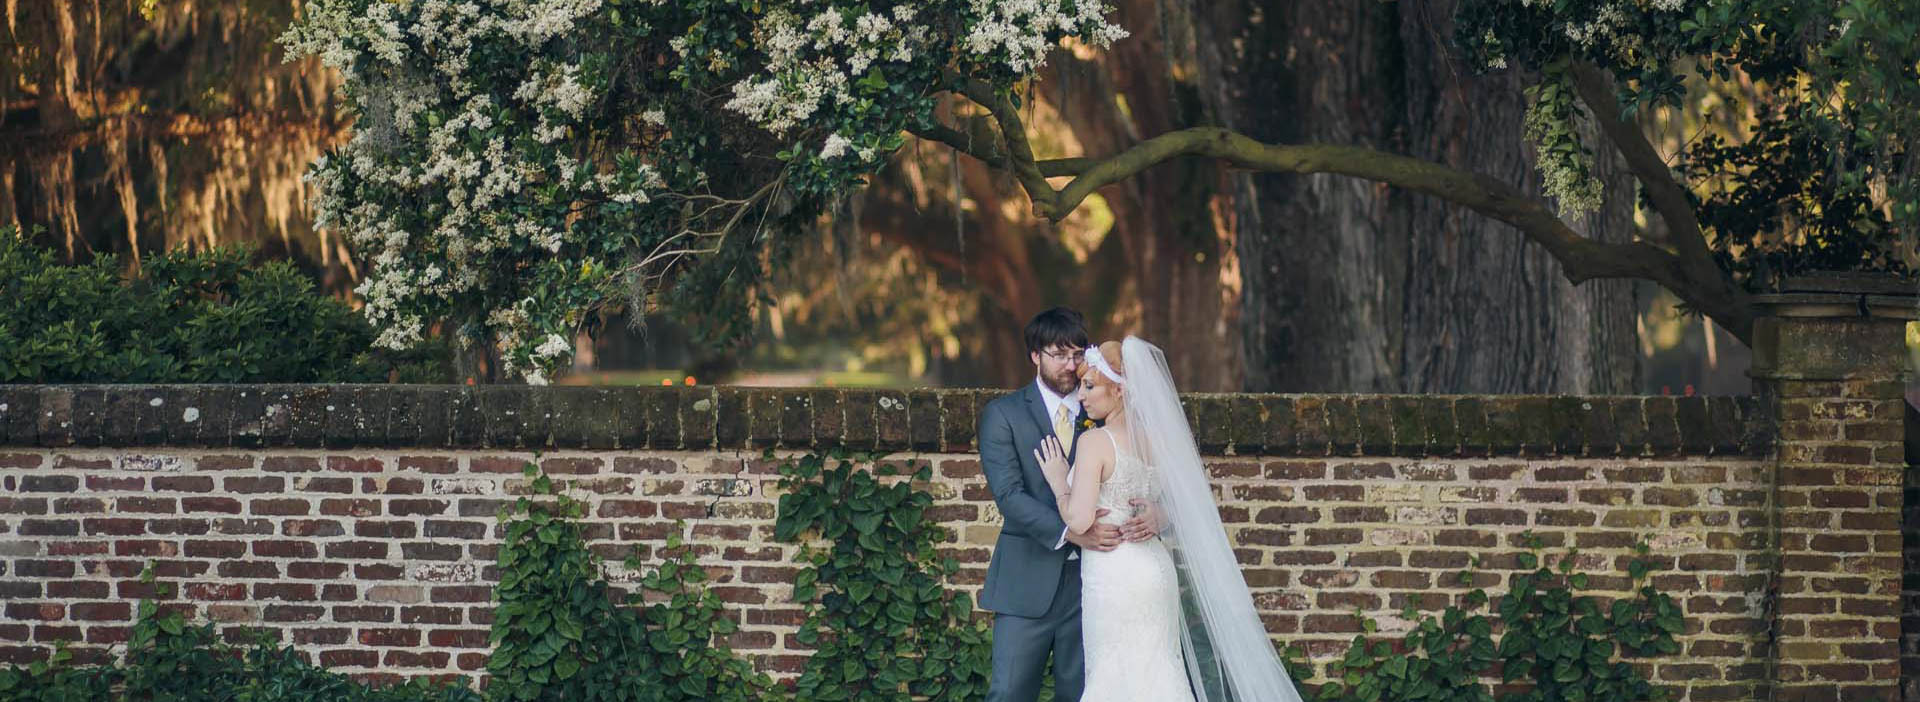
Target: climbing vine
(1560, 646)
(881, 615)
(558, 634)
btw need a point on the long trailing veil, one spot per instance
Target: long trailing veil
(1229, 657)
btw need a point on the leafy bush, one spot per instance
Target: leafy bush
(886, 626)
(209, 317)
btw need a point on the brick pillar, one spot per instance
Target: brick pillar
(1831, 360)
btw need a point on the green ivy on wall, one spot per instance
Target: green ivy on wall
(558, 634)
(886, 624)
(1556, 645)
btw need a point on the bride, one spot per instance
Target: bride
(1168, 619)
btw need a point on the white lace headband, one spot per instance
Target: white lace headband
(1100, 362)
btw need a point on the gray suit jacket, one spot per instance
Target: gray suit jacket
(1026, 568)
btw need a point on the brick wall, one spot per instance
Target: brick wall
(358, 520)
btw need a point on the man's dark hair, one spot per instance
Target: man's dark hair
(1060, 326)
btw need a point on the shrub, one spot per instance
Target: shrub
(210, 317)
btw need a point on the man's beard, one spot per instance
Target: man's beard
(1064, 385)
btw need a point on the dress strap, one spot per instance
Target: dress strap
(1111, 440)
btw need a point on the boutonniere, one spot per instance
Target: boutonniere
(1086, 424)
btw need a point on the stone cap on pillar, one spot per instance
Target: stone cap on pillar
(1841, 295)
(1835, 326)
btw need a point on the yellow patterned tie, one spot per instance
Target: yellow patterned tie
(1063, 427)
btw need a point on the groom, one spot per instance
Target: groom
(1033, 584)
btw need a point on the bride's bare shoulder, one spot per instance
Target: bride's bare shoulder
(1096, 449)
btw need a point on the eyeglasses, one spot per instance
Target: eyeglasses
(1075, 355)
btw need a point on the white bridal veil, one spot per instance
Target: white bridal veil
(1229, 657)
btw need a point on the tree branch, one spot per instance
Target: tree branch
(986, 153)
(1692, 275)
(1668, 196)
(1715, 293)
(1014, 131)
(1582, 258)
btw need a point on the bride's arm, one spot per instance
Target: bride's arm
(1053, 465)
(1079, 502)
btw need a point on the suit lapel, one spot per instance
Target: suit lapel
(1037, 406)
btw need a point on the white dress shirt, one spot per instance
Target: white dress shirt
(1054, 401)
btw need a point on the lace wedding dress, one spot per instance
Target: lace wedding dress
(1160, 615)
(1130, 603)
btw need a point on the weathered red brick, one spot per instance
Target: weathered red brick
(437, 465)
(101, 611)
(392, 486)
(279, 507)
(1334, 493)
(426, 551)
(497, 464)
(316, 570)
(377, 571)
(422, 614)
(1333, 537)
(290, 592)
(49, 483)
(214, 591)
(116, 483)
(343, 507)
(415, 507)
(416, 659)
(311, 527)
(370, 529)
(197, 548)
(357, 549)
(224, 462)
(347, 464)
(1363, 471)
(439, 529)
(149, 505)
(290, 464)
(183, 483)
(339, 486)
(362, 613)
(350, 658)
(74, 590)
(145, 548)
(219, 505)
(636, 509)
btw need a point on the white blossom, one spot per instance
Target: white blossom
(554, 346)
(836, 146)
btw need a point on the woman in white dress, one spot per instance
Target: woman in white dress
(1130, 596)
(1167, 619)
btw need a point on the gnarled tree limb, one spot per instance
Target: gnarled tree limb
(1690, 273)
(1713, 292)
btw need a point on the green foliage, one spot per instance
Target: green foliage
(1803, 156)
(170, 660)
(211, 317)
(558, 634)
(517, 166)
(1562, 647)
(886, 626)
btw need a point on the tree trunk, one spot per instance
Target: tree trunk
(1177, 245)
(1355, 286)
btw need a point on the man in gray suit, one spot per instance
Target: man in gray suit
(1033, 584)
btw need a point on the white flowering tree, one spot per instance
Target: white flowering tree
(517, 163)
